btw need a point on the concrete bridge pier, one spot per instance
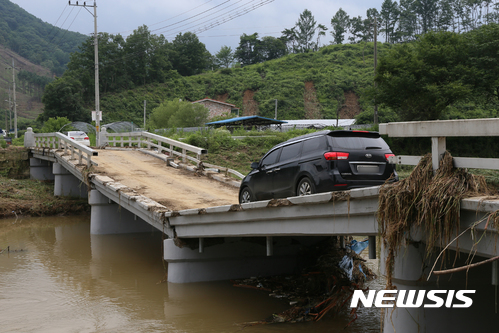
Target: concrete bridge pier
(232, 258)
(40, 169)
(66, 184)
(410, 273)
(107, 217)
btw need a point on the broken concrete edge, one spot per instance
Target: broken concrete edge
(127, 194)
(319, 198)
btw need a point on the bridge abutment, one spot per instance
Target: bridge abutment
(40, 169)
(66, 184)
(107, 217)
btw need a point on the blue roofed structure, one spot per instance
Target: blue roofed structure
(248, 121)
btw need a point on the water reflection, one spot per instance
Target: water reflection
(66, 280)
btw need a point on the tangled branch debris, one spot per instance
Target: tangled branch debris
(426, 200)
(319, 289)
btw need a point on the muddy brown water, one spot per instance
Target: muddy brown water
(59, 278)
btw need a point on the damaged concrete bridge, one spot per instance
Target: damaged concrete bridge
(211, 237)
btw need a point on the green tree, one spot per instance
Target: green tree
(189, 56)
(225, 57)
(248, 51)
(271, 48)
(483, 46)
(64, 98)
(321, 32)
(305, 31)
(407, 21)
(422, 79)
(189, 115)
(176, 113)
(427, 10)
(160, 116)
(289, 37)
(340, 23)
(54, 124)
(390, 15)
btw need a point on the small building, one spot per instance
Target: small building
(218, 108)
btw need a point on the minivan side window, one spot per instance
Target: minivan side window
(270, 158)
(290, 152)
(314, 144)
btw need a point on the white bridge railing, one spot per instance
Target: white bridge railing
(59, 141)
(438, 130)
(161, 143)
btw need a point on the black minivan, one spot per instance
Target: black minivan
(319, 162)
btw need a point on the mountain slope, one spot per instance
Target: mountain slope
(305, 85)
(39, 42)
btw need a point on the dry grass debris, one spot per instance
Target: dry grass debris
(428, 201)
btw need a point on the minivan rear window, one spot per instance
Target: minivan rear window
(314, 144)
(362, 143)
(290, 152)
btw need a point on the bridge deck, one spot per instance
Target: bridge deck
(174, 188)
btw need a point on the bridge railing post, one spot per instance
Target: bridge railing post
(438, 147)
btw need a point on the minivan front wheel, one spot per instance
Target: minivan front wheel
(245, 196)
(305, 187)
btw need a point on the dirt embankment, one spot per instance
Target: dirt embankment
(21, 196)
(27, 197)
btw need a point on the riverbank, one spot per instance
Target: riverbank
(27, 197)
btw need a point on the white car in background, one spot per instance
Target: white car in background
(80, 137)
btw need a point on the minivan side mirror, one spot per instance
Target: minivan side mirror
(254, 165)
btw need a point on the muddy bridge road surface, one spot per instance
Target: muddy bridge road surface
(176, 189)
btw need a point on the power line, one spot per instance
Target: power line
(233, 16)
(65, 31)
(55, 24)
(241, 12)
(170, 18)
(193, 16)
(51, 40)
(211, 14)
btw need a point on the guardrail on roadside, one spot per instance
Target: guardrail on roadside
(60, 141)
(161, 143)
(438, 130)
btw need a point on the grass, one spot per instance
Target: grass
(35, 198)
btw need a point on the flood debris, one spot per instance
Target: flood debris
(427, 200)
(319, 289)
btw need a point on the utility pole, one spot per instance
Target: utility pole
(98, 114)
(14, 90)
(10, 112)
(375, 64)
(275, 114)
(144, 115)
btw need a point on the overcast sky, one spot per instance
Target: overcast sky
(171, 17)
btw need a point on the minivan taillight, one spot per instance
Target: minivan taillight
(334, 156)
(388, 156)
(86, 138)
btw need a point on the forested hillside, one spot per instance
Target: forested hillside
(39, 42)
(39, 51)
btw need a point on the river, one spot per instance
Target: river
(56, 277)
